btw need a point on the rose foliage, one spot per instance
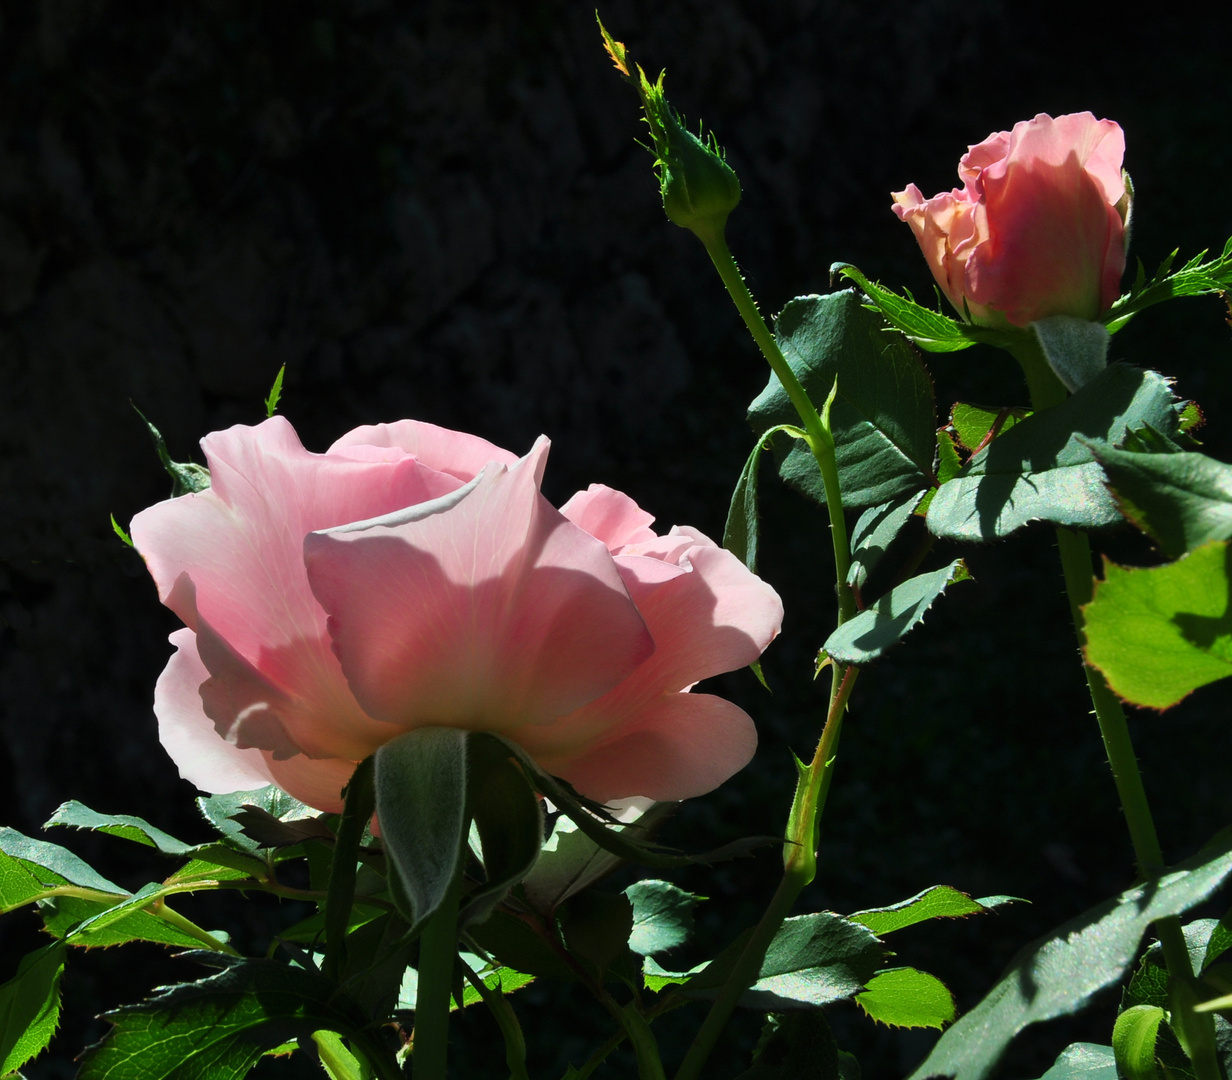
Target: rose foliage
(1039, 226)
(413, 576)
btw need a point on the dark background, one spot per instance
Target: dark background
(438, 210)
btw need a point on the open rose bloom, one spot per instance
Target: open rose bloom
(1038, 227)
(413, 576)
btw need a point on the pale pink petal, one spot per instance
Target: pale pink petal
(188, 735)
(679, 746)
(492, 612)
(452, 452)
(610, 516)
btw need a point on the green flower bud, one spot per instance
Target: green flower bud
(698, 187)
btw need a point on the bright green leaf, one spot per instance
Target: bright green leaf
(29, 867)
(76, 816)
(662, 916)
(1044, 469)
(906, 997)
(974, 424)
(883, 420)
(1083, 1061)
(1181, 501)
(94, 923)
(939, 902)
(865, 636)
(1133, 1042)
(275, 394)
(118, 529)
(219, 1026)
(30, 1007)
(1058, 974)
(1158, 634)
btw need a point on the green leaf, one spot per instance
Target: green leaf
(517, 944)
(864, 637)
(883, 419)
(1195, 278)
(596, 928)
(221, 810)
(30, 1007)
(1083, 1061)
(906, 997)
(186, 478)
(76, 816)
(1133, 1042)
(740, 532)
(219, 1026)
(875, 531)
(1060, 973)
(795, 1045)
(928, 329)
(421, 802)
(1044, 469)
(1181, 501)
(813, 960)
(939, 902)
(98, 923)
(29, 867)
(1076, 349)
(275, 394)
(662, 916)
(976, 424)
(1158, 634)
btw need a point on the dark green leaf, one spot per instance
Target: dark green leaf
(1060, 973)
(883, 419)
(939, 902)
(1133, 1042)
(813, 960)
(906, 997)
(219, 1026)
(793, 1046)
(421, 802)
(596, 928)
(29, 867)
(219, 862)
(77, 816)
(220, 811)
(1157, 634)
(1083, 1061)
(1181, 501)
(740, 532)
(528, 946)
(1219, 942)
(30, 1007)
(875, 531)
(864, 637)
(662, 916)
(1044, 469)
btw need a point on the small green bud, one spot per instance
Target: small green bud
(698, 187)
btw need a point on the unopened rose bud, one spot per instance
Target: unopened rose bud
(698, 187)
(1039, 227)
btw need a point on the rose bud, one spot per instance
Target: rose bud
(1039, 226)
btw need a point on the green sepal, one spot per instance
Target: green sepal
(1195, 278)
(275, 394)
(186, 477)
(1076, 349)
(1044, 468)
(1158, 634)
(883, 420)
(119, 531)
(865, 636)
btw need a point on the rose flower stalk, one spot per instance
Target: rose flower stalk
(413, 576)
(1039, 227)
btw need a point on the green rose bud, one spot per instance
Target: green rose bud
(699, 188)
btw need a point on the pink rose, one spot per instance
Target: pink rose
(1038, 227)
(413, 576)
